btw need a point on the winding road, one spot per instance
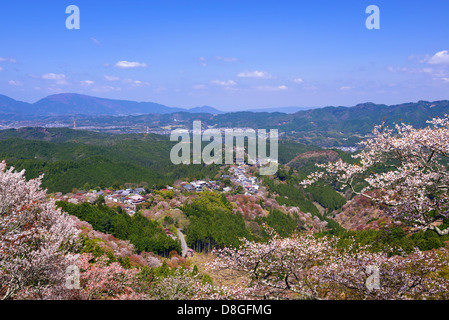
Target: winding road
(183, 243)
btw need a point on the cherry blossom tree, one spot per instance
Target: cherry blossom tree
(101, 280)
(280, 268)
(308, 267)
(186, 285)
(356, 273)
(35, 239)
(405, 169)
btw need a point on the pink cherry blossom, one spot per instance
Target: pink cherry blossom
(414, 179)
(35, 239)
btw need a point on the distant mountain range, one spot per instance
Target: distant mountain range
(66, 104)
(320, 126)
(77, 104)
(287, 110)
(205, 109)
(362, 117)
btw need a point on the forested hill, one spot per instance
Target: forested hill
(71, 158)
(58, 135)
(361, 118)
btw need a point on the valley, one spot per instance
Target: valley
(138, 210)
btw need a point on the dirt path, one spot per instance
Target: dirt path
(183, 243)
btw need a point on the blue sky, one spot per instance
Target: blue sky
(227, 54)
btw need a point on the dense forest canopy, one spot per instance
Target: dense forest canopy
(71, 158)
(143, 233)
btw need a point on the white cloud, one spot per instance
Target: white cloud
(271, 88)
(15, 83)
(203, 61)
(95, 41)
(227, 59)
(298, 80)
(255, 74)
(87, 82)
(346, 88)
(428, 70)
(419, 58)
(441, 57)
(135, 83)
(224, 83)
(199, 86)
(127, 64)
(111, 78)
(53, 76)
(12, 60)
(398, 69)
(436, 72)
(60, 78)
